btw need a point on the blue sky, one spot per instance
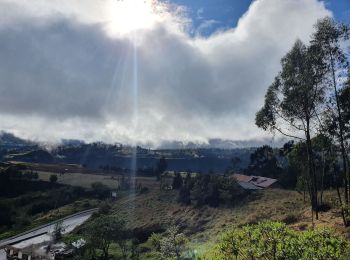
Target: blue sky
(211, 15)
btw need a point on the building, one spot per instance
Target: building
(254, 182)
(13, 253)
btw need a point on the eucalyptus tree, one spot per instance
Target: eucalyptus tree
(101, 232)
(329, 38)
(293, 102)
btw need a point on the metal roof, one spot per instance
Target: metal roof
(247, 182)
(248, 186)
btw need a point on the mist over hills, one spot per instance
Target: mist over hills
(214, 156)
(9, 140)
(224, 143)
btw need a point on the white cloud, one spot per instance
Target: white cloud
(64, 75)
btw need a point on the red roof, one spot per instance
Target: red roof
(241, 177)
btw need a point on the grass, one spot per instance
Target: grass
(85, 180)
(80, 179)
(156, 210)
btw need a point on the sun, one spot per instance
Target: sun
(126, 16)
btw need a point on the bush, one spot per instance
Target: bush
(177, 181)
(184, 196)
(100, 190)
(40, 207)
(53, 178)
(101, 232)
(144, 190)
(104, 208)
(6, 214)
(274, 240)
(170, 245)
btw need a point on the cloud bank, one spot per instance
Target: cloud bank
(65, 74)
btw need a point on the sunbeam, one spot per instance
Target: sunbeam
(135, 106)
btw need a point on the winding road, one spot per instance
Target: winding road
(43, 233)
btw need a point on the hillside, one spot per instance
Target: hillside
(156, 210)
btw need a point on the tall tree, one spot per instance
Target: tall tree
(161, 167)
(102, 232)
(263, 162)
(293, 101)
(328, 38)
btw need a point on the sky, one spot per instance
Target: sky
(209, 16)
(145, 71)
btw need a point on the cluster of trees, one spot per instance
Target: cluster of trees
(14, 182)
(100, 233)
(15, 173)
(309, 100)
(274, 240)
(264, 162)
(207, 189)
(105, 232)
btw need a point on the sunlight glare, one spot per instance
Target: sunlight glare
(126, 16)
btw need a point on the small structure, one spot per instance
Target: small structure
(254, 182)
(28, 253)
(43, 251)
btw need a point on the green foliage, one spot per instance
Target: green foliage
(212, 190)
(53, 178)
(6, 214)
(104, 208)
(155, 240)
(274, 240)
(57, 233)
(101, 232)
(184, 196)
(235, 162)
(100, 190)
(177, 181)
(170, 245)
(263, 162)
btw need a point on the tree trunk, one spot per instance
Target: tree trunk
(312, 175)
(341, 139)
(340, 199)
(322, 177)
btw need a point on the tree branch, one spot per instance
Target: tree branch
(292, 136)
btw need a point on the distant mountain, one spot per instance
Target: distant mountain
(215, 155)
(10, 141)
(72, 142)
(224, 144)
(37, 156)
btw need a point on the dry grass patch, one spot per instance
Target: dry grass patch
(204, 224)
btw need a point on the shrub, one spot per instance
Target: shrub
(104, 208)
(169, 245)
(100, 190)
(143, 190)
(6, 214)
(177, 181)
(101, 232)
(274, 240)
(40, 207)
(184, 196)
(53, 178)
